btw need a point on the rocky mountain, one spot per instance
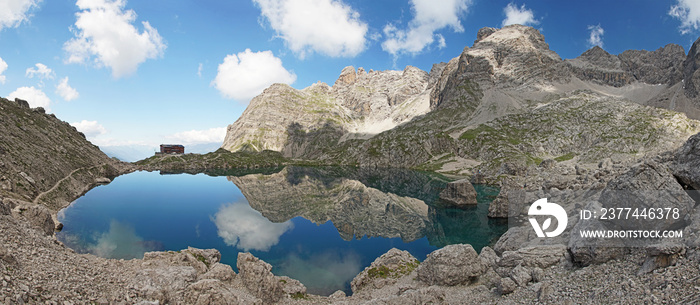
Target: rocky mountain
(508, 97)
(359, 105)
(45, 160)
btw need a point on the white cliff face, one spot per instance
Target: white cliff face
(359, 105)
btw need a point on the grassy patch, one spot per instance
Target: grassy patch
(299, 296)
(566, 157)
(385, 272)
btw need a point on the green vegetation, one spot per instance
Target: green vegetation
(200, 258)
(385, 272)
(220, 159)
(565, 157)
(299, 296)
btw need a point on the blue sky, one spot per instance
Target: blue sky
(130, 73)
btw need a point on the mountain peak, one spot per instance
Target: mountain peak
(515, 35)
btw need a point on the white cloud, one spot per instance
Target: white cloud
(243, 227)
(430, 16)
(329, 27)
(243, 76)
(67, 92)
(199, 69)
(41, 70)
(515, 15)
(596, 35)
(104, 33)
(3, 67)
(14, 12)
(35, 97)
(91, 129)
(211, 135)
(688, 12)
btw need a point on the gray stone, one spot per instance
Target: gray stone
(38, 215)
(452, 265)
(257, 277)
(459, 193)
(542, 256)
(661, 256)
(520, 275)
(337, 295)
(488, 257)
(483, 33)
(385, 270)
(163, 283)
(221, 272)
(214, 292)
(22, 103)
(691, 68)
(687, 162)
(649, 185)
(291, 286)
(507, 286)
(547, 164)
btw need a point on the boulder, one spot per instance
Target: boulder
(257, 277)
(4, 208)
(452, 265)
(37, 215)
(488, 257)
(22, 103)
(542, 256)
(687, 162)
(291, 286)
(520, 275)
(547, 164)
(507, 285)
(649, 185)
(661, 256)
(165, 283)
(587, 251)
(221, 272)
(459, 193)
(385, 270)
(214, 292)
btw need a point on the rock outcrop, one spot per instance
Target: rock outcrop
(691, 68)
(451, 265)
(459, 193)
(687, 162)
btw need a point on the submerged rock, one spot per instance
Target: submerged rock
(459, 193)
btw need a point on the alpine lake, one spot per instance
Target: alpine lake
(319, 225)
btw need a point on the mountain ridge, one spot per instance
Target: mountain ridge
(383, 119)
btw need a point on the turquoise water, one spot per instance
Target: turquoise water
(320, 226)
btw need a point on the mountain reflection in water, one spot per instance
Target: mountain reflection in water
(321, 226)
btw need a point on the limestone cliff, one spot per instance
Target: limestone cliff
(359, 105)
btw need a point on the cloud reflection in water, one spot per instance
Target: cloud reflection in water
(245, 228)
(323, 273)
(122, 242)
